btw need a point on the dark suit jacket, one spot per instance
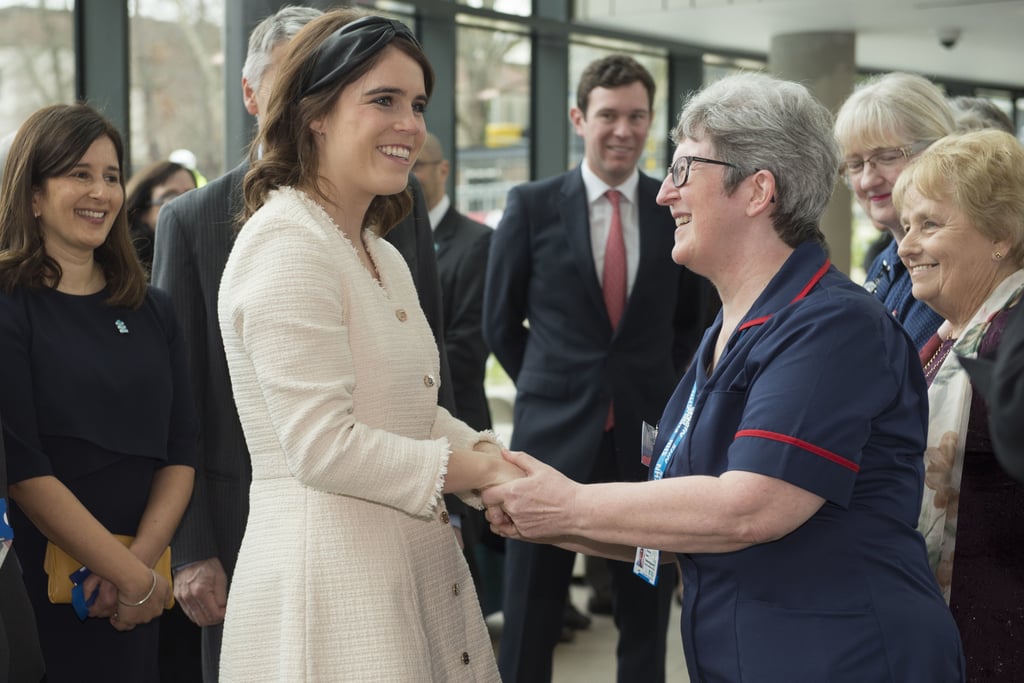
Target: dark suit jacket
(195, 233)
(567, 363)
(462, 246)
(1001, 381)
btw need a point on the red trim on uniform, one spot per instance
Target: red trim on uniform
(803, 292)
(755, 322)
(813, 281)
(828, 455)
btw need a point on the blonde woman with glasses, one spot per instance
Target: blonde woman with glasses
(886, 122)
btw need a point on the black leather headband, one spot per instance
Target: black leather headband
(351, 46)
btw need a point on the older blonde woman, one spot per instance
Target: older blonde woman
(961, 204)
(885, 123)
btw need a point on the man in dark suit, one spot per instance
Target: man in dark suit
(594, 323)
(193, 239)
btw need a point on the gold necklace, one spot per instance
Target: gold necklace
(941, 351)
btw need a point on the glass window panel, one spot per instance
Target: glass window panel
(177, 82)
(653, 161)
(522, 8)
(492, 105)
(37, 59)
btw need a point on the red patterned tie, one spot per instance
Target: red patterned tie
(613, 284)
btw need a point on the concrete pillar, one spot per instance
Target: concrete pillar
(825, 63)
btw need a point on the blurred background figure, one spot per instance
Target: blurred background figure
(887, 121)
(148, 191)
(187, 158)
(962, 205)
(978, 113)
(98, 420)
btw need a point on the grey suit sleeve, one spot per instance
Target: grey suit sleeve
(507, 285)
(175, 271)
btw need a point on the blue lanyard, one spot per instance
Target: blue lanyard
(678, 434)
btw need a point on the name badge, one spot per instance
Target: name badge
(646, 565)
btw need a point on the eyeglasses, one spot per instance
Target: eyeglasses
(882, 160)
(681, 167)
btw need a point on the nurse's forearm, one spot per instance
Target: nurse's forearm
(691, 514)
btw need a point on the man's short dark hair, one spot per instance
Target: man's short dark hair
(613, 71)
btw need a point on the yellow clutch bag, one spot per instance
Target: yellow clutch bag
(59, 566)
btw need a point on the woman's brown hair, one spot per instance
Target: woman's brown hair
(49, 144)
(289, 152)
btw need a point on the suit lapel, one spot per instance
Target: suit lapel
(575, 216)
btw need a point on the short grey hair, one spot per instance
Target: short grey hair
(760, 122)
(278, 28)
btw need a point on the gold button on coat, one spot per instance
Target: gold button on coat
(465, 658)
(400, 314)
(428, 380)
(455, 589)
(444, 516)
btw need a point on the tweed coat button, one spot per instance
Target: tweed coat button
(428, 380)
(465, 658)
(444, 516)
(401, 315)
(455, 589)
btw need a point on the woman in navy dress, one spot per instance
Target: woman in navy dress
(97, 420)
(787, 470)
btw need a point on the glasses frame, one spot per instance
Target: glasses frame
(674, 172)
(907, 151)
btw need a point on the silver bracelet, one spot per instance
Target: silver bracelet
(143, 600)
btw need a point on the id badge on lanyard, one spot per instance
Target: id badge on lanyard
(647, 560)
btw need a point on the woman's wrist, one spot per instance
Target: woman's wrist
(146, 597)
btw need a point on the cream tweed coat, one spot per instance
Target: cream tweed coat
(349, 570)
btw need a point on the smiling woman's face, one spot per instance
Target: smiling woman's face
(952, 265)
(77, 209)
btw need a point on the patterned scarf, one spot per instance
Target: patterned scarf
(949, 401)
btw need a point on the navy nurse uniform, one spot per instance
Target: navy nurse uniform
(819, 387)
(889, 280)
(97, 396)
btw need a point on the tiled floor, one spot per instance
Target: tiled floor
(590, 658)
